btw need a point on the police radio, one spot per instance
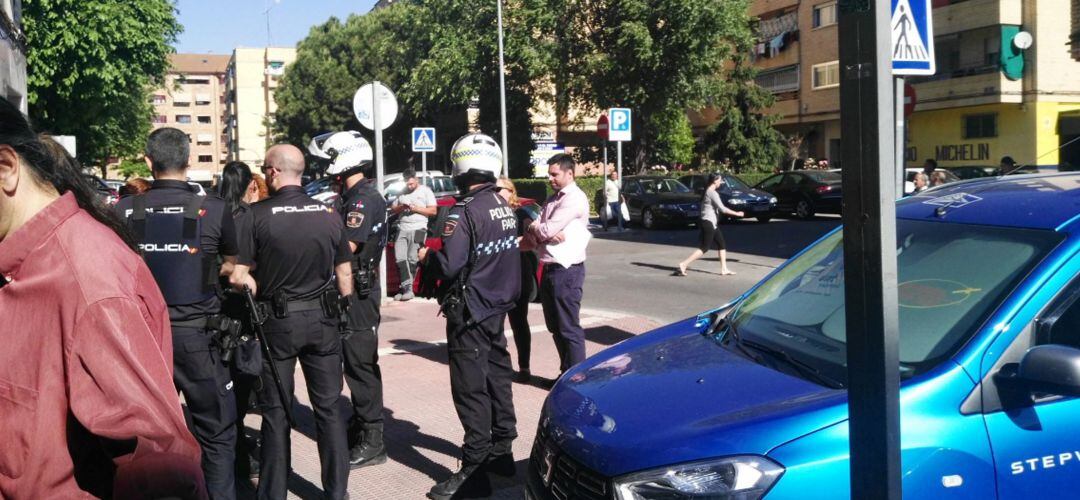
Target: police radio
(364, 279)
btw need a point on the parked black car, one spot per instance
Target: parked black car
(804, 192)
(653, 200)
(737, 195)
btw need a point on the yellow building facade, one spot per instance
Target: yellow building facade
(990, 98)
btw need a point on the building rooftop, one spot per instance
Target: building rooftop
(199, 63)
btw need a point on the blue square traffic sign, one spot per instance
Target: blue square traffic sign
(912, 37)
(619, 124)
(423, 140)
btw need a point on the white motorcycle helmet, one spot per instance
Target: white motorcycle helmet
(476, 154)
(347, 151)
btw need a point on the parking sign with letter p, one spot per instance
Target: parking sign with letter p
(619, 124)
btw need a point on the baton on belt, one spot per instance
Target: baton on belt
(257, 319)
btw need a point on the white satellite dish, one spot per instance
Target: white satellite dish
(1023, 40)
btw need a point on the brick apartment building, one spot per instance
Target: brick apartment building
(193, 101)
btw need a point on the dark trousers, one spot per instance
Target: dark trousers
(204, 380)
(480, 381)
(314, 339)
(560, 292)
(519, 324)
(361, 352)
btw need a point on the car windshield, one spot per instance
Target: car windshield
(946, 291)
(733, 182)
(654, 186)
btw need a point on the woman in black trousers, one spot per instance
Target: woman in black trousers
(519, 315)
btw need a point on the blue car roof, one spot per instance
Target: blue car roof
(1040, 201)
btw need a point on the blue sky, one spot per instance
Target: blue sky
(218, 26)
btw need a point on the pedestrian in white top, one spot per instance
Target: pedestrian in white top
(413, 207)
(614, 199)
(712, 207)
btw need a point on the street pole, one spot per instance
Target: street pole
(423, 161)
(869, 217)
(898, 94)
(603, 175)
(502, 94)
(618, 156)
(375, 88)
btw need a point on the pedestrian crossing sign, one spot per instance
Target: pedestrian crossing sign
(912, 37)
(423, 140)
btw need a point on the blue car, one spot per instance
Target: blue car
(748, 401)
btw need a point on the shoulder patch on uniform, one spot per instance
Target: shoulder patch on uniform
(464, 201)
(449, 228)
(354, 219)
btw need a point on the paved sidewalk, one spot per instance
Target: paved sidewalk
(422, 429)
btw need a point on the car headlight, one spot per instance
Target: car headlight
(742, 477)
(736, 201)
(772, 200)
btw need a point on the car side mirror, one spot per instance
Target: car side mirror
(1053, 369)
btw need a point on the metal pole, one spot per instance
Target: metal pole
(618, 156)
(900, 143)
(604, 174)
(502, 94)
(376, 87)
(869, 187)
(423, 161)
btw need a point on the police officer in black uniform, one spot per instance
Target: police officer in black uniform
(363, 211)
(181, 234)
(292, 254)
(480, 268)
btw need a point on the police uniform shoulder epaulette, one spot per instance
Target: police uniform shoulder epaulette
(464, 201)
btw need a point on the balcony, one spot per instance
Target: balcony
(779, 80)
(971, 14)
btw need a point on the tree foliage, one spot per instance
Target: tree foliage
(743, 134)
(437, 55)
(660, 57)
(91, 67)
(129, 168)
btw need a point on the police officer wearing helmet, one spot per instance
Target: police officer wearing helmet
(363, 212)
(292, 254)
(479, 264)
(181, 234)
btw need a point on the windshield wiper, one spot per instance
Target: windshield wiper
(802, 367)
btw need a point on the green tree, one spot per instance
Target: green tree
(129, 168)
(92, 65)
(743, 133)
(674, 137)
(654, 56)
(437, 55)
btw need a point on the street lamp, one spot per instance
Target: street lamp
(502, 93)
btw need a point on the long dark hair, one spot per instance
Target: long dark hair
(235, 179)
(54, 166)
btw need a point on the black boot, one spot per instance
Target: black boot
(501, 464)
(456, 482)
(370, 450)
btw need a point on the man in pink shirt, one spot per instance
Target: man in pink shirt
(561, 287)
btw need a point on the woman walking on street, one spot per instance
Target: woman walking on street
(519, 315)
(712, 207)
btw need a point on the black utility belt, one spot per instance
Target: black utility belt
(215, 322)
(328, 302)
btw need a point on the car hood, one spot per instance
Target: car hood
(744, 194)
(675, 396)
